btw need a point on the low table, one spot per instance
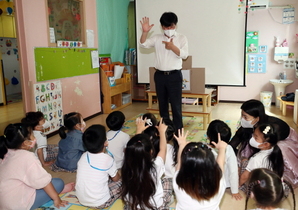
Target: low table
(203, 110)
(283, 105)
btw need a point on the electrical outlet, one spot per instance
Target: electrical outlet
(289, 64)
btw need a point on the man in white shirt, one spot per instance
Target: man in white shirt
(170, 48)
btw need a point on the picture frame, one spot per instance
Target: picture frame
(65, 21)
(263, 49)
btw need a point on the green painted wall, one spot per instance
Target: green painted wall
(112, 18)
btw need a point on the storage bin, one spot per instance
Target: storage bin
(126, 98)
(266, 97)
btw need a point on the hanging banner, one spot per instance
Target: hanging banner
(48, 100)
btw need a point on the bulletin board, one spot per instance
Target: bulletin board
(54, 63)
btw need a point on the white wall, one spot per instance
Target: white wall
(268, 26)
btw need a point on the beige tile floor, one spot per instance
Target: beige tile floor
(223, 111)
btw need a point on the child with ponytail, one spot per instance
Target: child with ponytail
(265, 138)
(71, 144)
(267, 189)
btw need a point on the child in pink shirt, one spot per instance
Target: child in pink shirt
(24, 183)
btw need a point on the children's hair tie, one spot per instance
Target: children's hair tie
(148, 121)
(196, 146)
(4, 136)
(265, 131)
(262, 183)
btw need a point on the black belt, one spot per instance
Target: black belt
(167, 72)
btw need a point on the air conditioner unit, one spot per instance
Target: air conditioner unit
(258, 4)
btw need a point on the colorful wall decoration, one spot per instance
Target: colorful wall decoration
(11, 69)
(65, 17)
(257, 63)
(48, 100)
(252, 41)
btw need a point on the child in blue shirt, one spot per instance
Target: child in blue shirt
(71, 144)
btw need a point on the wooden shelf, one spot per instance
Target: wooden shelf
(115, 95)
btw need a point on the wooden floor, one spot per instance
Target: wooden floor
(225, 111)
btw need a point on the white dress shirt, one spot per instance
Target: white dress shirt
(166, 60)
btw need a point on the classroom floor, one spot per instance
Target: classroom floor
(223, 111)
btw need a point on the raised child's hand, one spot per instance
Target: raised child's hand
(162, 127)
(140, 125)
(181, 138)
(220, 144)
(146, 27)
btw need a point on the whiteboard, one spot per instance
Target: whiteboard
(215, 30)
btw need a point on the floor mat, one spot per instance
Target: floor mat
(193, 124)
(73, 204)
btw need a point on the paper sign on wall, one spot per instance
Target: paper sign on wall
(48, 100)
(252, 41)
(257, 63)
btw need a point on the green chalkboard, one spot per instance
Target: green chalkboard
(54, 63)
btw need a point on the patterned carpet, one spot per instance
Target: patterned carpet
(193, 124)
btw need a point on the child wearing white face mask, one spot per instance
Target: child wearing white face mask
(71, 144)
(24, 183)
(45, 152)
(270, 156)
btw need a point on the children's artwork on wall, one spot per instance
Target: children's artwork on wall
(186, 79)
(48, 100)
(252, 41)
(65, 17)
(10, 63)
(263, 48)
(257, 63)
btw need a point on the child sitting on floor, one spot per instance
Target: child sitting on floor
(270, 156)
(199, 182)
(98, 182)
(141, 173)
(231, 168)
(24, 183)
(267, 189)
(117, 139)
(45, 152)
(71, 144)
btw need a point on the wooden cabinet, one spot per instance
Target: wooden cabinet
(7, 21)
(7, 26)
(118, 96)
